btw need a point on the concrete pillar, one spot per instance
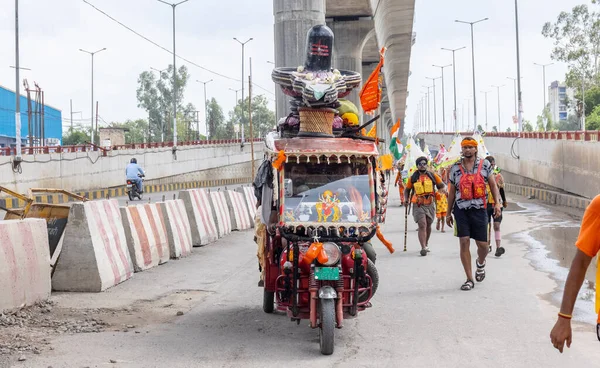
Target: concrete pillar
(350, 37)
(293, 19)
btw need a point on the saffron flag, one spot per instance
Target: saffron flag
(370, 95)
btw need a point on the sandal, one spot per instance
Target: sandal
(468, 285)
(500, 251)
(480, 273)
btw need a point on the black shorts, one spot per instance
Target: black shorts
(490, 214)
(471, 223)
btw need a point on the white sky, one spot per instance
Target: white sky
(52, 32)
(495, 55)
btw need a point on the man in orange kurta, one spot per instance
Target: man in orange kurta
(399, 183)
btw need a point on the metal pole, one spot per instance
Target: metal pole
(515, 92)
(250, 118)
(174, 86)
(454, 80)
(434, 104)
(583, 101)
(174, 74)
(71, 103)
(443, 95)
(92, 117)
(499, 119)
(520, 116)
(473, 64)
(17, 87)
(486, 109)
(242, 120)
(544, 90)
(205, 107)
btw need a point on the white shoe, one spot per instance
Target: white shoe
(427, 249)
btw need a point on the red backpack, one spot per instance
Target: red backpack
(472, 186)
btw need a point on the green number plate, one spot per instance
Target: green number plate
(327, 273)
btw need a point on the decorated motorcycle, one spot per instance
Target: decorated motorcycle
(322, 198)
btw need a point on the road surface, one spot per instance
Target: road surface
(419, 317)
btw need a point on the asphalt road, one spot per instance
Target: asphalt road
(419, 317)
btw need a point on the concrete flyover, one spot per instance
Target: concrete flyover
(556, 161)
(361, 28)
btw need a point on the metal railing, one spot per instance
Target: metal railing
(586, 136)
(10, 151)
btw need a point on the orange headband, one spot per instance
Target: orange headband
(468, 143)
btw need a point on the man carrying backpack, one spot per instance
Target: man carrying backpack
(422, 182)
(468, 200)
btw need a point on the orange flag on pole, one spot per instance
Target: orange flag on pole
(370, 95)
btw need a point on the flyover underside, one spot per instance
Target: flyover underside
(394, 29)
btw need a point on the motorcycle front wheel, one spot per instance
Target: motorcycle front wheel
(327, 328)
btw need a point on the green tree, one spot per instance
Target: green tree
(494, 129)
(216, 121)
(263, 118)
(155, 95)
(508, 130)
(76, 136)
(576, 37)
(479, 128)
(527, 127)
(592, 122)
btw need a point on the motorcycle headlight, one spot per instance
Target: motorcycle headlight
(334, 254)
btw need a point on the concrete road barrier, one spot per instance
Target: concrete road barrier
(251, 201)
(146, 235)
(200, 214)
(179, 232)
(94, 254)
(24, 262)
(221, 213)
(238, 211)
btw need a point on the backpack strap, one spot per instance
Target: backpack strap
(480, 167)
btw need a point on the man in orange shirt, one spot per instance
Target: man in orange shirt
(588, 245)
(423, 183)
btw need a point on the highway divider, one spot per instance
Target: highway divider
(200, 214)
(24, 262)
(146, 235)
(178, 228)
(94, 254)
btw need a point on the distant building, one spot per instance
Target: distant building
(559, 96)
(112, 136)
(52, 120)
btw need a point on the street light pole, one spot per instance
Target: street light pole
(92, 118)
(473, 62)
(486, 109)
(454, 79)
(17, 88)
(243, 44)
(443, 95)
(515, 86)
(428, 109)
(544, 90)
(499, 120)
(205, 109)
(520, 114)
(434, 104)
(162, 125)
(174, 74)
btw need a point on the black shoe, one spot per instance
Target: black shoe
(261, 283)
(423, 252)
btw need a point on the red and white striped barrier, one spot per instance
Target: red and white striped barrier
(24, 262)
(200, 214)
(146, 235)
(221, 213)
(250, 201)
(238, 211)
(179, 232)
(94, 254)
